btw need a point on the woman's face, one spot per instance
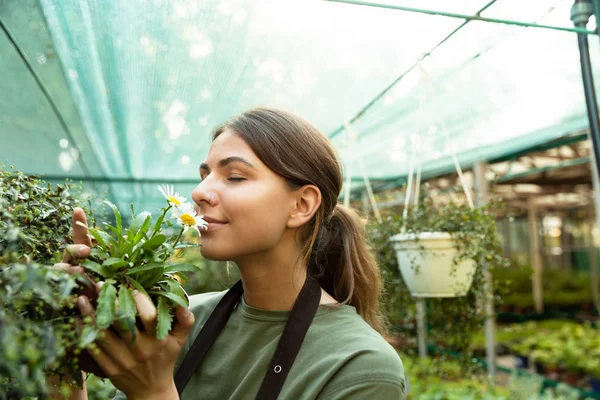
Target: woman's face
(249, 204)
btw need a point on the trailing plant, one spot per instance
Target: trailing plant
(452, 321)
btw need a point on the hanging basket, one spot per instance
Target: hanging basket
(425, 261)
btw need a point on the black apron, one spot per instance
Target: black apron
(295, 329)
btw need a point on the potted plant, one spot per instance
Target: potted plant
(440, 249)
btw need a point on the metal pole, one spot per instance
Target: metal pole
(421, 327)
(580, 14)
(481, 187)
(467, 17)
(594, 278)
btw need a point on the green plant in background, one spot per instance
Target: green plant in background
(136, 259)
(563, 290)
(453, 321)
(35, 334)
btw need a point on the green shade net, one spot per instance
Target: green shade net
(124, 94)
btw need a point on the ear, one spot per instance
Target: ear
(308, 201)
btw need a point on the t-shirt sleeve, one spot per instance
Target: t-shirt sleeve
(373, 374)
(367, 390)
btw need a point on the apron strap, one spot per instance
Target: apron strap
(295, 329)
(213, 326)
(291, 339)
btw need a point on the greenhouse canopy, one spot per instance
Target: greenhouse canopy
(123, 95)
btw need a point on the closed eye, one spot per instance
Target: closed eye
(236, 179)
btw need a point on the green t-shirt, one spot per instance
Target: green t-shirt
(341, 357)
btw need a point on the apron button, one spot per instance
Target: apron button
(277, 369)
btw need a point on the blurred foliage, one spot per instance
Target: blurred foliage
(563, 290)
(508, 334)
(441, 378)
(574, 348)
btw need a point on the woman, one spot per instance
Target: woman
(269, 192)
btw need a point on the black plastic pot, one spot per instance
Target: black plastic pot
(521, 362)
(594, 384)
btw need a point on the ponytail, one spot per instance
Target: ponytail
(342, 262)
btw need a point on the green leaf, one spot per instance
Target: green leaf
(158, 223)
(127, 310)
(154, 242)
(171, 296)
(151, 278)
(147, 267)
(99, 253)
(184, 278)
(169, 269)
(94, 233)
(105, 314)
(113, 228)
(164, 319)
(97, 268)
(117, 216)
(88, 335)
(138, 222)
(115, 262)
(66, 287)
(139, 287)
(175, 287)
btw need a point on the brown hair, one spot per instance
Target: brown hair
(335, 248)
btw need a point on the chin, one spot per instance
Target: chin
(214, 254)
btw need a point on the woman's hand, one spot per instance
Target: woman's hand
(144, 369)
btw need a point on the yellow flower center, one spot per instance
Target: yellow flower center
(187, 219)
(174, 201)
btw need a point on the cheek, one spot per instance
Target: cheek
(258, 220)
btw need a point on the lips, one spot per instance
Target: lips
(213, 223)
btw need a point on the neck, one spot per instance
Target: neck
(273, 280)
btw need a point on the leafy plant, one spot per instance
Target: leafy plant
(36, 334)
(137, 258)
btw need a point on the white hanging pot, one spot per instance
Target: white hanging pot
(425, 261)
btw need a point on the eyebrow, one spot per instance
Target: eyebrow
(226, 161)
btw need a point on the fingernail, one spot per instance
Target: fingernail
(79, 251)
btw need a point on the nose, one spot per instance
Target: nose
(203, 197)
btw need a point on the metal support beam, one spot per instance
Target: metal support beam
(595, 209)
(482, 193)
(421, 327)
(536, 259)
(475, 17)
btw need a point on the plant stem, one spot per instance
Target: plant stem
(178, 237)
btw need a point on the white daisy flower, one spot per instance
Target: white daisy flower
(186, 216)
(174, 198)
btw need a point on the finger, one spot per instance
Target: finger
(98, 353)
(75, 252)
(68, 268)
(80, 233)
(146, 311)
(185, 322)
